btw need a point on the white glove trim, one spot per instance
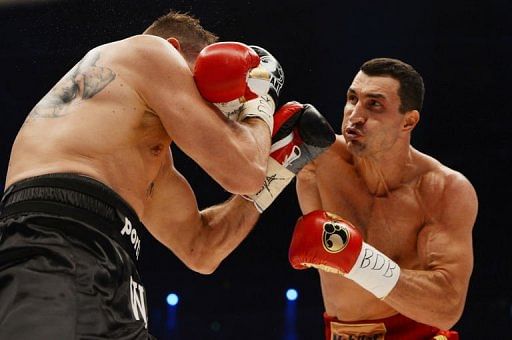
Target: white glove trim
(279, 144)
(262, 107)
(258, 81)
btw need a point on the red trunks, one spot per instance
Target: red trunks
(397, 327)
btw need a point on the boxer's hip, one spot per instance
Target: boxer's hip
(79, 206)
(68, 252)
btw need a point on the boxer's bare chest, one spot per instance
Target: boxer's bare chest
(389, 221)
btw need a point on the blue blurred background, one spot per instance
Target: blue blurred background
(462, 49)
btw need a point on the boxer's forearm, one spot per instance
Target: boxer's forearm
(240, 167)
(257, 133)
(225, 226)
(307, 189)
(429, 297)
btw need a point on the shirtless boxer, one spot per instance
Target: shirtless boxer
(91, 166)
(389, 227)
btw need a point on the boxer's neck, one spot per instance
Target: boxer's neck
(386, 171)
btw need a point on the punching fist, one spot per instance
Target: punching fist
(229, 74)
(300, 135)
(328, 242)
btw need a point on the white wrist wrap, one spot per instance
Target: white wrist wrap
(277, 179)
(231, 109)
(374, 271)
(262, 107)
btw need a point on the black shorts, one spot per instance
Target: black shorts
(68, 254)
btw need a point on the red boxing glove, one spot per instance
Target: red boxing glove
(222, 70)
(328, 242)
(300, 135)
(229, 74)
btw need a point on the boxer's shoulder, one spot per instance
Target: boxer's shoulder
(437, 183)
(140, 41)
(336, 154)
(144, 53)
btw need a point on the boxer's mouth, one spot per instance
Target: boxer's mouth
(353, 133)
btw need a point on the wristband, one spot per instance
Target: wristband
(374, 271)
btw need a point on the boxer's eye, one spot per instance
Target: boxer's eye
(351, 99)
(374, 103)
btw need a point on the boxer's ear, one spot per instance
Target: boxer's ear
(411, 118)
(174, 42)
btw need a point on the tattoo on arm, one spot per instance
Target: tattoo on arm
(82, 82)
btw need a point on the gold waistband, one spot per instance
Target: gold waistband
(365, 331)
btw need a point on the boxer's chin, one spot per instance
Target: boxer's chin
(356, 147)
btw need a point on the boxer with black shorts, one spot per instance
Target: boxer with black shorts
(389, 227)
(91, 167)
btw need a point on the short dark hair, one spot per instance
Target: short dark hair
(184, 27)
(411, 90)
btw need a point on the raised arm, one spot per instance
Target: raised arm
(307, 189)
(203, 239)
(164, 81)
(308, 193)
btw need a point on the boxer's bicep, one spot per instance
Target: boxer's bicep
(307, 189)
(228, 151)
(445, 244)
(165, 84)
(171, 213)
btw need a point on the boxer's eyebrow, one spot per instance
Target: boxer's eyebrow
(370, 94)
(376, 95)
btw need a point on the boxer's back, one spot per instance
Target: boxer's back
(94, 122)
